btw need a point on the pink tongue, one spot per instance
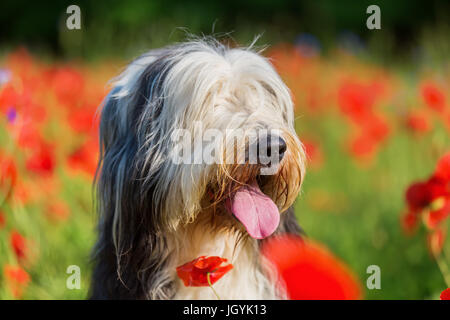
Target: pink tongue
(256, 211)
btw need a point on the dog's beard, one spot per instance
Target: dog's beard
(256, 200)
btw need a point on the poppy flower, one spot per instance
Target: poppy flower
(310, 271)
(29, 137)
(20, 61)
(2, 220)
(362, 146)
(42, 161)
(433, 96)
(313, 152)
(9, 97)
(377, 128)
(85, 157)
(8, 175)
(418, 122)
(433, 218)
(84, 119)
(195, 273)
(445, 295)
(356, 100)
(17, 279)
(409, 222)
(18, 244)
(418, 196)
(443, 167)
(34, 113)
(68, 85)
(438, 187)
(23, 192)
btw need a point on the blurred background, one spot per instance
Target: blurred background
(372, 109)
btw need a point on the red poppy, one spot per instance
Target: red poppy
(430, 199)
(68, 85)
(433, 96)
(443, 167)
(434, 217)
(313, 152)
(35, 113)
(29, 137)
(21, 62)
(2, 220)
(84, 119)
(418, 196)
(85, 157)
(356, 100)
(17, 279)
(409, 222)
(418, 122)
(288, 60)
(8, 97)
(310, 271)
(195, 273)
(438, 187)
(363, 146)
(377, 128)
(19, 245)
(445, 295)
(8, 175)
(42, 161)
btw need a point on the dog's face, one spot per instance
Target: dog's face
(215, 137)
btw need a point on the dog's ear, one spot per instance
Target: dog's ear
(131, 251)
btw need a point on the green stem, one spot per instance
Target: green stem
(210, 285)
(444, 269)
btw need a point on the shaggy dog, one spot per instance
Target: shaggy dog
(157, 213)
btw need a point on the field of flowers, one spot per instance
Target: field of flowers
(376, 192)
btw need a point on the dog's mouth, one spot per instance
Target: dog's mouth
(254, 209)
(256, 198)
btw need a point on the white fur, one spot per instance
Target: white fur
(224, 89)
(245, 281)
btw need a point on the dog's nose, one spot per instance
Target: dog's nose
(273, 144)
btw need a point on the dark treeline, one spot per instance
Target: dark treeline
(114, 26)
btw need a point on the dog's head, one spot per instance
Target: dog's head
(199, 130)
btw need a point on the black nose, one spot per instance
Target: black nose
(272, 145)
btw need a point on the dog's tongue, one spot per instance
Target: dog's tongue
(256, 211)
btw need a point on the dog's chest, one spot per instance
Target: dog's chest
(245, 281)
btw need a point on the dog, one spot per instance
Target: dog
(156, 214)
